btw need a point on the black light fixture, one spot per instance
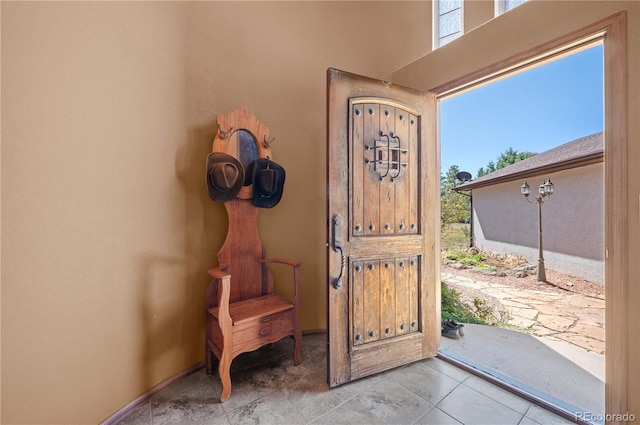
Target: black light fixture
(465, 176)
(545, 190)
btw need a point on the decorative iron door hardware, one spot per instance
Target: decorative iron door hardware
(387, 155)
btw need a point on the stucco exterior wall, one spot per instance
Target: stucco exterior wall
(572, 221)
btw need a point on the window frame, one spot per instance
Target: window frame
(435, 20)
(613, 31)
(500, 7)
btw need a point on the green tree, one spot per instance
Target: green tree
(506, 158)
(454, 206)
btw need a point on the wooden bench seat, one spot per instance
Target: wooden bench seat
(255, 308)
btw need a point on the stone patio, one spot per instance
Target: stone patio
(573, 318)
(552, 345)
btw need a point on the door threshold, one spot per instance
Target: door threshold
(539, 398)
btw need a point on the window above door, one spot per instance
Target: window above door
(448, 22)
(502, 6)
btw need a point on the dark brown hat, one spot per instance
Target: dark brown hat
(225, 176)
(268, 183)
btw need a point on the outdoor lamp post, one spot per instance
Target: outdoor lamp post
(544, 192)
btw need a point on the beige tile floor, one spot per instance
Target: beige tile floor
(269, 389)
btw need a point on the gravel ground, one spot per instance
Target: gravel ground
(557, 282)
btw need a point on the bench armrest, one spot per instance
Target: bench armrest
(291, 263)
(221, 284)
(297, 287)
(218, 272)
(220, 287)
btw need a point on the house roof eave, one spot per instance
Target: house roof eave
(593, 158)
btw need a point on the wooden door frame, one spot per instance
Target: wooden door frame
(613, 33)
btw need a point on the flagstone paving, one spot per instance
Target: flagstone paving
(573, 318)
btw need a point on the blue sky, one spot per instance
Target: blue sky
(532, 111)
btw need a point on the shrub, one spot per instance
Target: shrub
(454, 308)
(466, 257)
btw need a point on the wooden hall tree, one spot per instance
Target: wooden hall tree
(243, 311)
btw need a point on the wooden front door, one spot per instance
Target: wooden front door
(383, 217)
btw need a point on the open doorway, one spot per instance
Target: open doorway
(542, 125)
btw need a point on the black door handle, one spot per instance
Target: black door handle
(337, 247)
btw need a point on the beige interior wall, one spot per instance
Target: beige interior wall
(273, 59)
(108, 112)
(98, 281)
(525, 27)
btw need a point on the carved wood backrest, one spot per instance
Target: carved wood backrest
(242, 135)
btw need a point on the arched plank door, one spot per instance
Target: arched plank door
(383, 182)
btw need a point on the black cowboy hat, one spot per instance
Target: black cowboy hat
(268, 183)
(225, 176)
